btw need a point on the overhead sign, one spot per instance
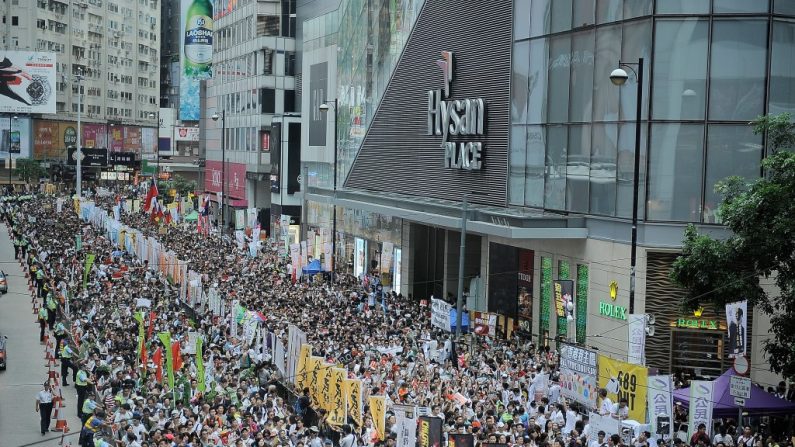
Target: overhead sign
(91, 157)
(122, 158)
(740, 387)
(27, 82)
(456, 117)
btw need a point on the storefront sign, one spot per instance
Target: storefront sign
(692, 323)
(563, 290)
(456, 117)
(234, 178)
(612, 311)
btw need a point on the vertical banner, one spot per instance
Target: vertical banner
(338, 406)
(295, 259)
(636, 328)
(327, 256)
(278, 356)
(406, 422)
(737, 321)
(200, 364)
(563, 290)
(353, 391)
(313, 381)
(700, 406)
(296, 337)
(89, 262)
(430, 432)
(323, 385)
(139, 317)
(387, 249)
(165, 338)
(578, 375)
(524, 290)
(378, 413)
(358, 257)
(196, 54)
(301, 370)
(660, 401)
(624, 380)
(460, 440)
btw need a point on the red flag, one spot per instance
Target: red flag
(149, 195)
(144, 356)
(151, 329)
(158, 359)
(176, 355)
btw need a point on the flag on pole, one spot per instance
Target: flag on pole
(157, 358)
(89, 262)
(200, 364)
(152, 194)
(165, 338)
(176, 356)
(139, 317)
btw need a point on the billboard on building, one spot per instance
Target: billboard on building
(15, 134)
(51, 138)
(196, 54)
(318, 92)
(165, 131)
(27, 82)
(234, 178)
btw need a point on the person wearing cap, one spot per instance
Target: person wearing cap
(315, 441)
(67, 354)
(93, 424)
(89, 405)
(44, 407)
(82, 382)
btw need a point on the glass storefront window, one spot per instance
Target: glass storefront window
(636, 43)
(683, 7)
(519, 77)
(731, 150)
(782, 67)
(675, 179)
(608, 53)
(558, 79)
(555, 178)
(784, 7)
(578, 168)
(582, 70)
(739, 6)
(737, 80)
(680, 69)
(537, 82)
(637, 8)
(539, 17)
(535, 166)
(603, 169)
(561, 15)
(516, 160)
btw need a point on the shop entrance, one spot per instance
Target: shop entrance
(698, 353)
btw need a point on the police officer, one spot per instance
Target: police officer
(52, 307)
(92, 425)
(42, 322)
(40, 281)
(67, 354)
(17, 246)
(44, 407)
(60, 334)
(88, 409)
(82, 382)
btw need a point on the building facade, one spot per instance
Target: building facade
(529, 128)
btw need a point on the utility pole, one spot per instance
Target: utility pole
(461, 255)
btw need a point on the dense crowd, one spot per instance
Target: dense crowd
(509, 387)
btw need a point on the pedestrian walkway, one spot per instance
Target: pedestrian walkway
(26, 371)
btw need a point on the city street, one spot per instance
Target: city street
(21, 381)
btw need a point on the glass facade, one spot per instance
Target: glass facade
(710, 66)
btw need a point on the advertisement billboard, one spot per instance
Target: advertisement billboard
(16, 135)
(235, 178)
(132, 139)
(524, 291)
(186, 134)
(51, 138)
(93, 135)
(148, 140)
(318, 89)
(27, 82)
(196, 54)
(165, 132)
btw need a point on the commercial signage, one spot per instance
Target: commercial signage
(235, 178)
(448, 117)
(696, 323)
(563, 290)
(623, 380)
(578, 375)
(186, 134)
(524, 285)
(15, 135)
(196, 53)
(122, 158)
(91, 157)
(737, 322)
(318, 93)
(27, 82)
(612, 310)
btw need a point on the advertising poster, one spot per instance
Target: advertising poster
(398, 270)
(318, 89)
(93, 135)
(196, 54)
(737, 322)
(15, 134)
(148, 141)
(661, 405)
(578, 375)
(117, 139)
(429, 433)
(165, 131)
(700, 411)
(387, 252)
(27, 82)
(132, 139)
(563, 290)
(358, 257)
(51, 138)
(624, 380)
(525, 290)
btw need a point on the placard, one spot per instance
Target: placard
(578, 373)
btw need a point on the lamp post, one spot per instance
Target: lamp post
(619, 77)
(324, 108)
(11, 119)
(152, 116)
(223, 162)
(79, 149)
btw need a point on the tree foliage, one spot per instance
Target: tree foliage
(761, 216)
(29, 170)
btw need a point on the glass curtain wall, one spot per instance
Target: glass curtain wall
(707, 73)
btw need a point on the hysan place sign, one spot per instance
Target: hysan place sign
(456, 117)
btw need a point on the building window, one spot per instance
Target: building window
(289, 101)
(289, 63)
(268, 100)
(14, 21)
(675, 179)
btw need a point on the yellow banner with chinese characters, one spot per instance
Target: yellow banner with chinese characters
(313, 369)
(378, 412)
(301, 371)
(624, 380)
(353, 392)
(323, 386)
(338, 411)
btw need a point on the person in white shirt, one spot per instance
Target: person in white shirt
(554, 392)
(44, 407)
(606, 407)
(599, 441)
(621, 409)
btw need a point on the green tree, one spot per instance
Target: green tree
(183, 185)
(29, 170)
(761, 216)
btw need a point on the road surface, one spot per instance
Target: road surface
(26, 371)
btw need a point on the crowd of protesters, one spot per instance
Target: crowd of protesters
(510, 389)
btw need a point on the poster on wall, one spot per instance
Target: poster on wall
(318, 89)
(94, 136)
(525, 290)
(623, 380)
(196, 54)
(358, 257)
(578, 374)
(563, 290)
(737, 319)
(15, 134)
(398, 272)
(387, 248)
(27, 82)
(51, 138)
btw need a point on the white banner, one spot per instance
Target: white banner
(295, 338)
(737, 322)
(660, 405)
(700, 406)
(637, 339)
(388, 249)
(406, 423)
(578, 374)
(440, 314)
(29, 83)
(278, 356)
(597, 423)
(327, 256)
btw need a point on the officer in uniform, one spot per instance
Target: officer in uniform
(44, 407)
(90, 428)
(42, 322)
(17, 246)
(82, 382)
(60, 334)
(67, 354)
(88, 409)
(52, 306)
(40, 281)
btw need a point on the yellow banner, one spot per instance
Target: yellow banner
(353, 391)
(301, 371)
(313, 369)
(378, 412)
(339, 407)
(625, 380)
(323, 386)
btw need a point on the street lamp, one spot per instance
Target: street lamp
(323, 109)
(79, 149)
(619, 77)
(11, 119)
(157, 149)
(223, 161)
